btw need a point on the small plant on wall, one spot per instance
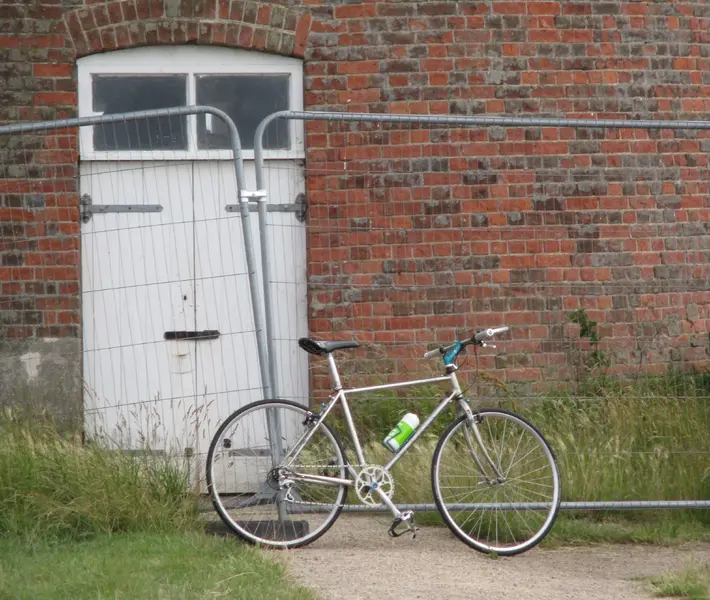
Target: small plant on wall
(592, 361)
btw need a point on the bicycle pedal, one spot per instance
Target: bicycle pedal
(410, 529)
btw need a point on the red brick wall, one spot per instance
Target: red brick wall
(38, 210)
(452, 231)
(430, 233)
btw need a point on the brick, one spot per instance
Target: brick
(130, 13)
(355, 11)
(301, 36)
(246, 36)
(543, 8)
(55, 98)
(263, 15)
(259, 40)
(100, 15)
(143, 9)
(52, 70)
(115, 12)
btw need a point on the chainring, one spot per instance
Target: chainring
(370, 478)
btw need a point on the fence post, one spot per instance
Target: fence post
(264, 238)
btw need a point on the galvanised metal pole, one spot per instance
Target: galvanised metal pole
(476, 121)
(265, 253)
(274, 424)
(577, 505)
(265, 238)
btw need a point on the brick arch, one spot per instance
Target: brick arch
(232, 23)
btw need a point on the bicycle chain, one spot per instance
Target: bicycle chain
(305, 502)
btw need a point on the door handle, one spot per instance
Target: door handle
(209, 334)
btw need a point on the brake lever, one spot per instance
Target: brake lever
(487, 345)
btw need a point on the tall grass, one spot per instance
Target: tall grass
(643, 440)
(53, 486)
(646, 439)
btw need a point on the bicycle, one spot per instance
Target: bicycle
(305, 472)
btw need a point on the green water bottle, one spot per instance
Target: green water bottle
(402, 432)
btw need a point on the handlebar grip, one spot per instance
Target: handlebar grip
(432, 353)
(489, 333)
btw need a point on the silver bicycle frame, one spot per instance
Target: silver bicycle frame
(340, 394)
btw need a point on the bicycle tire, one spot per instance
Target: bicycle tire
(456, 528)
(241, 531)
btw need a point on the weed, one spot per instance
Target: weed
(692, 582)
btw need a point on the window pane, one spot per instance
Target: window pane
(116, 94)
(247, 99)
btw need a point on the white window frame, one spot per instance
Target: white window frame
(191, 61)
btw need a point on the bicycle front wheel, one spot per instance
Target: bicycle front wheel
(504, 509)
(248, 474)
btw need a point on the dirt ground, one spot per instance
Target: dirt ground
(357, 560)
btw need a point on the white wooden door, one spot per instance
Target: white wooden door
(138, 271)
(183, 269)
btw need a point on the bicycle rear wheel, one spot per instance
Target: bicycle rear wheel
(243, 477)
(506, 515)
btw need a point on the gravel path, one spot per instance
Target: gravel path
(356, 560)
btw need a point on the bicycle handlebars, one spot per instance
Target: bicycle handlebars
(475, 339)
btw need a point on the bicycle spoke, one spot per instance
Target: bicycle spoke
(510, 468)
(517, 512)
(522, 433)
(531, 482)
(533, 471)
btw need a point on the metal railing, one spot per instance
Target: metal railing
(355, 156)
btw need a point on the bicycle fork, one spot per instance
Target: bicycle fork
(472, 425)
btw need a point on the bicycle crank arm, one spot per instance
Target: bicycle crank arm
(322, 479)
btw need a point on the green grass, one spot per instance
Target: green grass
(136, 566)
(652, 528)
(83, 522)
(692, 582)
(53, 486)
(639, 439)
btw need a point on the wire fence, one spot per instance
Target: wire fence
(590, 239)
(126, 284)
(150, 291)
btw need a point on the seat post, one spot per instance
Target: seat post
(334, 377)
